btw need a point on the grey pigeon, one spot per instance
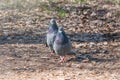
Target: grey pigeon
(51, 34)
(62, 44)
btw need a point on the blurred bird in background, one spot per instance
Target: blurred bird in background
(51, 34)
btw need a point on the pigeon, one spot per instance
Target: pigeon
(62, 45)
(51, 34)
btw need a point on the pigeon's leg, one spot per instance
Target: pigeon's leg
(52, 53)
(62, 59)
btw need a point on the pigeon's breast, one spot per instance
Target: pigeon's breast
(58, 40)
(61, 40)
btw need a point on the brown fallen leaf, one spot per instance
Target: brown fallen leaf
(105, 43)
(86, 60)
(95, 72)
(93, 62)
(118, 63)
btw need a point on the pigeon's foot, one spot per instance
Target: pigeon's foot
(62, 59)
(52, 53)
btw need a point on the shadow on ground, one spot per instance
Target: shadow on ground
(97, 37)
(22, 39)
(26, 38)
(89, 56)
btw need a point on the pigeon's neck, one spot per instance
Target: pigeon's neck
(65, 38)
(61, 38)
(53, 28)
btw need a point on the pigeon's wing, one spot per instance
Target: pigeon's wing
(50, 40)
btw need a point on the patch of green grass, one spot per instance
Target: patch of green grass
(61, 12)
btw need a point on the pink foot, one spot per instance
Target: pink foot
(52, 53)
(62, 59)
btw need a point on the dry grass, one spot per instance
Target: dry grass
(93, 28)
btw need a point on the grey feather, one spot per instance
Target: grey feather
(62, 44)
(51, 34)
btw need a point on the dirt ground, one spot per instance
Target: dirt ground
(93, 28)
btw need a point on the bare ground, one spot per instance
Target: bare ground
(93, 29)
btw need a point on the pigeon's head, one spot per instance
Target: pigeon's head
(61, 37)
(53, 26)
(52, 21)
(60, 30)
